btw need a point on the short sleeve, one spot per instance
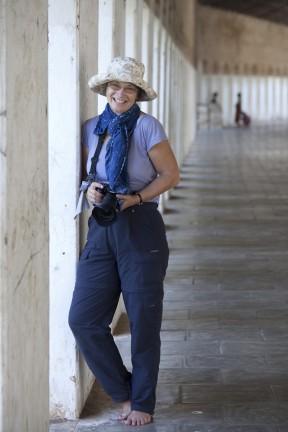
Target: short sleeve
(152, 131)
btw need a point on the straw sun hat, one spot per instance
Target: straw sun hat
(124, 69)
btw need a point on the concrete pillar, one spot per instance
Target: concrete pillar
(134, 32)
(147, 49)
(88, 61)
(261, 99)
(277, 100)
(284, 92)
(154, 64)
(24, 404)
(269, 97)
(64, 158)
(167, 82)
(162, 71)
(133, 28)
(106, 37)
(73, 59)
(189, 94)
(111, 40)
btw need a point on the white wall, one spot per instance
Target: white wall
(24, 299)
(265, 99)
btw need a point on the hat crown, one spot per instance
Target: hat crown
(127, 67)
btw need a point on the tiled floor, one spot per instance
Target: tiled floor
(224, 364)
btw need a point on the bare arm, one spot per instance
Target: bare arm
(163, 159)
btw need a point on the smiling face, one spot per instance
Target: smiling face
(121, 96)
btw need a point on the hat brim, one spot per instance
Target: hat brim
(98, 85)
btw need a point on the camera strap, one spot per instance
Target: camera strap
(94, 159)
(82, 201)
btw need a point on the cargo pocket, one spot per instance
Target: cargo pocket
(87, 252)
(148, 270)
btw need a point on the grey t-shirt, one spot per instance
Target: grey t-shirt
(147, 133)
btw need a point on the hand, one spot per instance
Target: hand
(128, 200)
(93, 195)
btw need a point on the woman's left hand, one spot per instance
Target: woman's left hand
(128, 200)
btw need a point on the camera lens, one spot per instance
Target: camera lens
(105, 213)
(104, 217)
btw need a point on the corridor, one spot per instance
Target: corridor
(224, 364)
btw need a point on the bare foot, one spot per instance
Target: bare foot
(138, 418)
(126, 410)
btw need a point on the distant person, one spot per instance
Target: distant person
(215, 111)
(240, 116)
(214, 98)
(238, 109)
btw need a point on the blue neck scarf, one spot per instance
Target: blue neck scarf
(121, 128)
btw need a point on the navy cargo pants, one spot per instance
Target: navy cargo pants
(129, 256)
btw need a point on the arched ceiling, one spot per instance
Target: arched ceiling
(270, 10)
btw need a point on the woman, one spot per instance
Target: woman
(126, 250)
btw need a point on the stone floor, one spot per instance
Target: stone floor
(224, 364)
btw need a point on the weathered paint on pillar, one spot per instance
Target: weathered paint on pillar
(111, 42)
(88, 60)
(24, 301)
(146, 49)
(64, 139)
(133, 26)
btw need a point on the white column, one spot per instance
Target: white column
(270, 98)
(64, 139)
(167, 84)
(284, 91)
(145, 36)
(133, 31)
(189, 94)
(277, 92)
(261, 99)
(24, 299)
(155, 65)
(224, 100)
(105, 40)
(175, 119)
(161, 92)
(253, 109)
(147, 50)
(178, 103)
(162, 77)
(119, 27)
(88, 60)
(111, 40)
(133, 28)
(204, 89)
(88, 56)
(233, 91)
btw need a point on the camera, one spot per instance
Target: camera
(105, 212)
